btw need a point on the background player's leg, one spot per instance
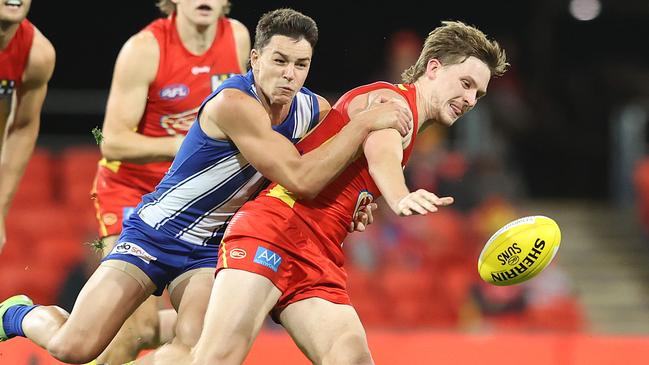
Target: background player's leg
(327, 333)
(167, 320)
(189, 294)
(106, 300)
(140, 331)
(239, 304)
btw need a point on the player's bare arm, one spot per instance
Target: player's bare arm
(383, 150)
(23, 130)
(135, 70)
(242, 40)
(236, 116)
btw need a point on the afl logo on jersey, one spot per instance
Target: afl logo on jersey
(175, 91)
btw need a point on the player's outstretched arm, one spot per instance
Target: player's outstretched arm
(23, 131)
(384, 153)
(245, 122)
(135, 70)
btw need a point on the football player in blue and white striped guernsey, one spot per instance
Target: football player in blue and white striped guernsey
(244, 132)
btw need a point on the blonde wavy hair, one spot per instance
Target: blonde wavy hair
(452, 43)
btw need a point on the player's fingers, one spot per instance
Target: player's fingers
(435, 199)
(447, 200)
(426, 204)
(370, 215)
(362, 217)
(426, 199)
(415, 206)
(360, 227)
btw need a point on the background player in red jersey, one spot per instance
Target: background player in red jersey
(283, 255)
(161, 76)
(26, 65)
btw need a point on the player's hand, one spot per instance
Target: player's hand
(3, 237)
(363, 218)
(421, 202)
(383, 112)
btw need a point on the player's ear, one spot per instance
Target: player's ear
(432, 67)
(254, 58)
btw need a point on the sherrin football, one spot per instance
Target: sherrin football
(519, 251)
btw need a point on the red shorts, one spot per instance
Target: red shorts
(116, 198)
(292, 258)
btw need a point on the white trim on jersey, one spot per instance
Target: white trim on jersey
(190, 190)
(205, 227)
(303, 114)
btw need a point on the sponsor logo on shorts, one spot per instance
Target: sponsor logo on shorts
(128, 248)
(268, 258)
(126, 212)
(109, 219)
(238, 253)
(174, 91)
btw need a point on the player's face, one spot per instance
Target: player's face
(14, 11)
(200, 12)
(281, 67)
(457, 88)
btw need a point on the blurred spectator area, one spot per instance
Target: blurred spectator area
(51, 217)
(421, 272)
(415, 272)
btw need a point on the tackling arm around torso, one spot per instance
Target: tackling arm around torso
(236, 116)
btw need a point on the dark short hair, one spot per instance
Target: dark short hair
(286, 22)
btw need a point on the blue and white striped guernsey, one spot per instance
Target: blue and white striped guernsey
(210, 179)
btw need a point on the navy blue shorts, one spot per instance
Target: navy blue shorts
(161, 257)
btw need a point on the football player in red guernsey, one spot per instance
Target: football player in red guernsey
(282, 254)
(161, 76)
(26, 65)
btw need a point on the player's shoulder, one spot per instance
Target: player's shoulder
(42, 58)
(141, 53)
(385, 89)
(323, 105)
(143, 42)
(234, 109)
(238, 27)
(232, 101)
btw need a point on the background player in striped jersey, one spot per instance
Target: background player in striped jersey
(26, 65)
(283, 255)
(162, 74)
(249, 123)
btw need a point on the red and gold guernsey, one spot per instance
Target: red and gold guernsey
(275, 216)
(182, 82)
(13, 61)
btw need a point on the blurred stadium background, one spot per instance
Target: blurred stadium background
(562, 134)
